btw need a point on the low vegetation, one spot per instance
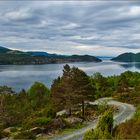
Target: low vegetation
(104, 128)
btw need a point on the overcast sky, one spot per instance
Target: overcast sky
(93, 27)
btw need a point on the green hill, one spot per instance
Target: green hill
(17, 57)
(4, 50)
(127, 57)
(137, 57)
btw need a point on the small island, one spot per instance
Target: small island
(16, 57)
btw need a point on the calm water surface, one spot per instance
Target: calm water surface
(22, 76)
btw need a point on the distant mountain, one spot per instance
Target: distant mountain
(104, 57)
(42, 53)
(127, 57)
(8, 56)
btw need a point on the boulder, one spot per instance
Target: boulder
(73, 120)
(36, 130)
(56, 124)
(9, 130)
(6, 138)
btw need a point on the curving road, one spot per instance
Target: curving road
(125, 112)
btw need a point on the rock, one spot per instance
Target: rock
(9, 130)
(39, 135)
(73, 120)
(56, 124)
(36, 130)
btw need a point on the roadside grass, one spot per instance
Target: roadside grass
(63, 131)
(76, 127)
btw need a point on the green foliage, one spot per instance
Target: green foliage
(35, 122)
(72, 88)
(102, 107)
(103, 129)
(137, 113)
(3, 134)
(16, 108)
(25, 135)
(131, 128)
(38, 95)
(115, 85)
(38, 89)
(51, 113)
(6, 90)
(35, 108)
(89, 135)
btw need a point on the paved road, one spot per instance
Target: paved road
(125, 112)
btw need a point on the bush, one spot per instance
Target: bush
(89, 135)
(45, 112)
(128, 130)
(36, 122)
(137, 114)
(38, 95)
(41, 121)
(103, 129)
(102, 107)
(25, 135)
(51, 113)
(4, 134)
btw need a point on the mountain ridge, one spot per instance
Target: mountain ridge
(9, 56)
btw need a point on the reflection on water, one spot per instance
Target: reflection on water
(22, 76)
(130, 65)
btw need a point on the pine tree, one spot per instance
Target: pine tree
(72, 88)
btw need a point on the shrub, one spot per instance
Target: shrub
(45, 112)
(128, 130)
(3, 134)
(41, 121)
(25, 135)
(137, 114)
(38, 95)
(89, 135)
(35, 122)
(51, 113)
(103, 129)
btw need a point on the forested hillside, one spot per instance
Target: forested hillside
(8, 56)
(127, 57)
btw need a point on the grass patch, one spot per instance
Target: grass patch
(76, 127)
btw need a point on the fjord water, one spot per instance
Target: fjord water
(22, 76)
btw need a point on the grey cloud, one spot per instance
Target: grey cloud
(107, 24)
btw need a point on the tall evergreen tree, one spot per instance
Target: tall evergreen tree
(72, 88)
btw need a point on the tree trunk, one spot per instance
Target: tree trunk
(69, 111)
(83, 109)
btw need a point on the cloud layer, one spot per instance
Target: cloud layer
(94, 27)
